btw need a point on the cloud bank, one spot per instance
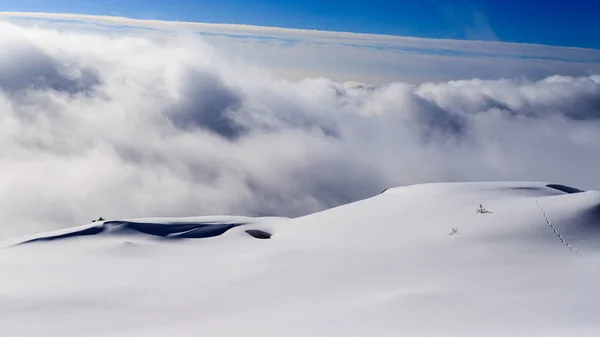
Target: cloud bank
(126, 125)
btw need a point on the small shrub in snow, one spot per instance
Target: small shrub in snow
(482, 210)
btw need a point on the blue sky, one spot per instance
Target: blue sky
(552, 22)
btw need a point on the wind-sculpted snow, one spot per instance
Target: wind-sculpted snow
(123, 125)
(196, 228)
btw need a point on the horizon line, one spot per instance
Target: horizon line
(265, 28)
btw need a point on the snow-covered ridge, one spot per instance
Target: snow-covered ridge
(211, 226)
(171, 228)
(447, 259)
(481, 187)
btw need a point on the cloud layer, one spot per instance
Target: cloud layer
(376, 59)
(125, 126)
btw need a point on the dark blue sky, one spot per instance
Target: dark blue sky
(553, 22)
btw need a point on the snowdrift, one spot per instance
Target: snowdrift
(447, 259)
(175, 228)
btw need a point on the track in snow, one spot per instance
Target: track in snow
(556, 231)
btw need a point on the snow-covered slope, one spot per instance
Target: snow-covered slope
(453, 259)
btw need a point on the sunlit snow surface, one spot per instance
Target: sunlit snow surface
(413, 261)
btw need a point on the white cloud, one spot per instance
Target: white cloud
(124, 125)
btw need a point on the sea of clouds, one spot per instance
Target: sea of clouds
(115, 125)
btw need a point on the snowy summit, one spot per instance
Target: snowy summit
(443, 259)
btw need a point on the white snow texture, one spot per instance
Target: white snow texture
(417, 260)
